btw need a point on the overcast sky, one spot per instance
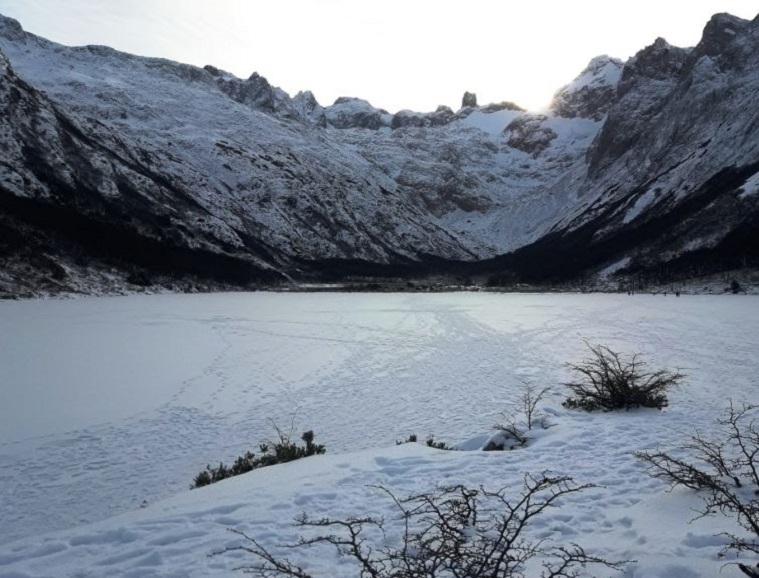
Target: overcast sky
(397, 54)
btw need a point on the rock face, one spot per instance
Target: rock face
(306, 108)
(719, 36)
(120, 170)
(407, 118)
(255, 92)
(356, 113)
(529, 134)
(469, 100)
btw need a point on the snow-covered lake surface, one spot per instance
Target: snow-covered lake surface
(106, 403)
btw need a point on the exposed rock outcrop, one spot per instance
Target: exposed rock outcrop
(469, 100)
(592, 94)
(348, 112)
(528, 133)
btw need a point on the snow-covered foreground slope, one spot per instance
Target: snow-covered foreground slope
(197, 379)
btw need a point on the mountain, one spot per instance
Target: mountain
(671, 182)
(120, 170)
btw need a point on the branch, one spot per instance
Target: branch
(269, 566)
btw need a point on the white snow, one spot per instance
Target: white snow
(492, 123)
(614, 267)
(571, 131)
(351, 107)
(639, 205)
(750, 187)
(201, 376)
(601, 70)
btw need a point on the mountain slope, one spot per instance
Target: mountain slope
(672, 177)
(64, 191)
(123, 167)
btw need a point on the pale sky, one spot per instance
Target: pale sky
(398, 54)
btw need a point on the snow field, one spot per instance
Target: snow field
(362, 371)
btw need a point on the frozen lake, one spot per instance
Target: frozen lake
(109, 402)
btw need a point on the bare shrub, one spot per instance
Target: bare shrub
(455, 531)
(529, 399)
(609, 381)
(512, 430)
(725, 471)
(510, 434)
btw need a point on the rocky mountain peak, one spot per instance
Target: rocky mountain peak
(213, 71)
(646, 82)
(11, 29)
(592, 93)
(307, 96)
(443, 115)
(255, 92)
(658, 62)
(351, 112)
(728, 41)
(720, 32)
(469, 100)
(604, 67)
(499, 106)
(307, 108)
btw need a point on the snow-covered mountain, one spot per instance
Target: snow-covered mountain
(117, 167)
(671, 181)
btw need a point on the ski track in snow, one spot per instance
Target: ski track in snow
(362, 371)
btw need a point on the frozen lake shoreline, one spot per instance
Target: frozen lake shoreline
(109, 402)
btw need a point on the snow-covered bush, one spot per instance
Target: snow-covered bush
(411, 439)
(608, 380)
(431, 443)
(281, 451)
(454, 531)
(725, 470)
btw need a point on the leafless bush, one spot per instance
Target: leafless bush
(529, 399)
(512, 430)
(725, 470)
(455, 532)
(510, 434)
(609, 381)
